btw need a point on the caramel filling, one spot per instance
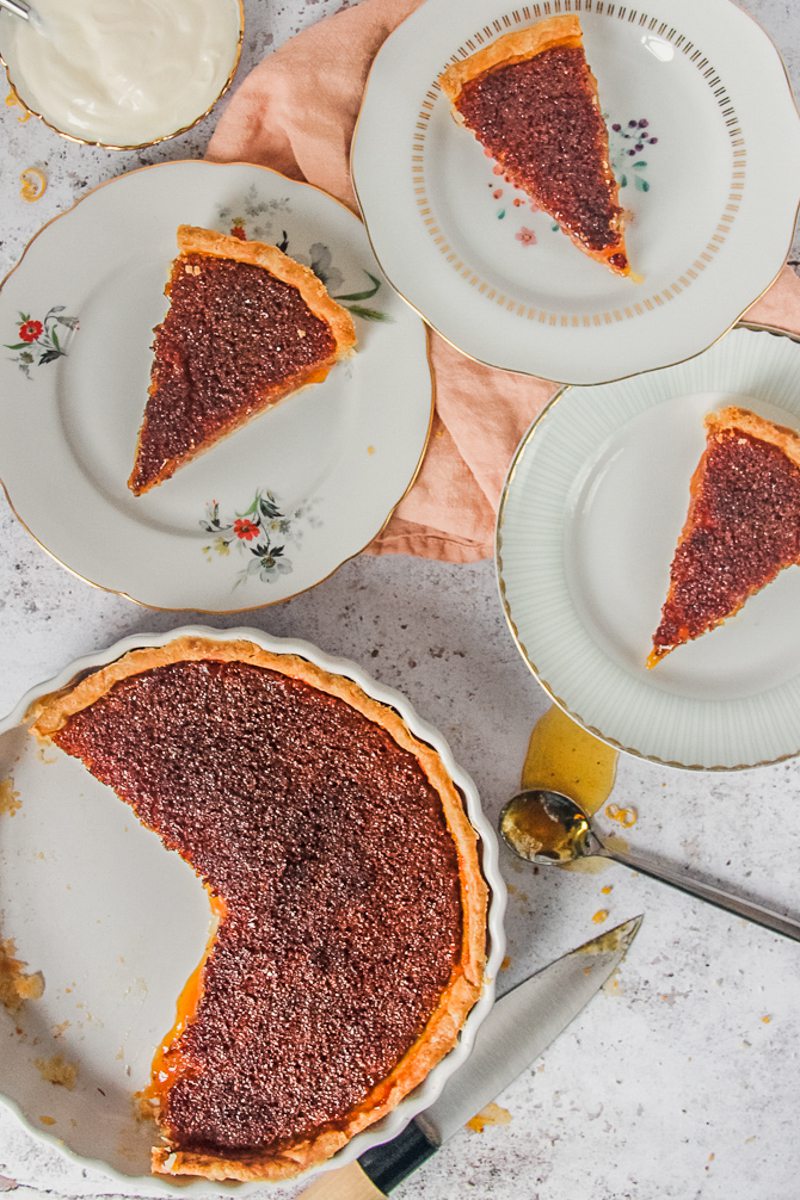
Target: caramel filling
(332, 872)
(541, 120)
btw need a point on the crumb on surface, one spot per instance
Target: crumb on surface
(493, 1114)
(9, 799)
(58, 1071)
(16, 984)
(506, 963)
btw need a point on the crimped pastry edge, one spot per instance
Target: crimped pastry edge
(194, 240)
(51, 712)
(785, 439)
(512, 47)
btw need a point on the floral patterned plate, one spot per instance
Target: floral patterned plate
(709, 172)
(273, 509)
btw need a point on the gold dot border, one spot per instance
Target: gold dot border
(705, 258)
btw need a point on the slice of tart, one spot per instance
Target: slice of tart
(531, 100)
(743, 525)
(344, 878)
(246, 326)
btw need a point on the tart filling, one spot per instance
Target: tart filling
(344, 879)
(246, 326)
(742, 529)
(531, 100)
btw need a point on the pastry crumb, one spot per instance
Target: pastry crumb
(17, 985)
(600, 916)
(506, 963)
(58, 1071)
(493, 1114)
(47, 1120)
(9, 799)
(627, 817)
(59, 1030)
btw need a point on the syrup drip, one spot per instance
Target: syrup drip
(563, 757)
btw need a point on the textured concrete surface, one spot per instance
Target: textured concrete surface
(672, 1084)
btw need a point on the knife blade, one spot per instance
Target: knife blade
(521, 1025)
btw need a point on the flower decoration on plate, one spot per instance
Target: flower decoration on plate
(39, 342)
(627, 139)
(261, 532)
(631, 139)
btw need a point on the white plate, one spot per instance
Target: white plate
(330, 463)
(116, 924)
(714, 197)
(591, 513)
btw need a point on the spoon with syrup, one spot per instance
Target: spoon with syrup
(550, 829)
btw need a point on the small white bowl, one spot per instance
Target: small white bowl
(24, 95)
(69, 858)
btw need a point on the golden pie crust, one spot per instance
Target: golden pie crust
(522, 45)
(514, 47)
(194, 240)
(785, 439)
(50, 713)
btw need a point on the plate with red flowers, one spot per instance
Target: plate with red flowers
(274, 508)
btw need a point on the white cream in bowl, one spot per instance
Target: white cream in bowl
(122, 72)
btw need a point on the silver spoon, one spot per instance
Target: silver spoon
(24, 11)
(549, 828)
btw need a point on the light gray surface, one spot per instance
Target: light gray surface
(671, 1085)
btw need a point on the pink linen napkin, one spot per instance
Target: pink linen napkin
(296, 112)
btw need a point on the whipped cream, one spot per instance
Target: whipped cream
(122, 72)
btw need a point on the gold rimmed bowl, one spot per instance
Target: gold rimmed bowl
(27, 98)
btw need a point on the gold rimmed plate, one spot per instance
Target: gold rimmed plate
(707, 171)
(589, 519)
(274, 508)
(112, 925)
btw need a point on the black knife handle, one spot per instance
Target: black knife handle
(388, 1165)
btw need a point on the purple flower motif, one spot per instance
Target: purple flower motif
(643, 123)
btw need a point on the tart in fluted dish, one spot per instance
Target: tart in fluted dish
(344, 877)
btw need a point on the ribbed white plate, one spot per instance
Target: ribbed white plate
(704, 141)
(116, 924)
(591, 513)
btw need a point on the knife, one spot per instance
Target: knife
(520, 1026)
